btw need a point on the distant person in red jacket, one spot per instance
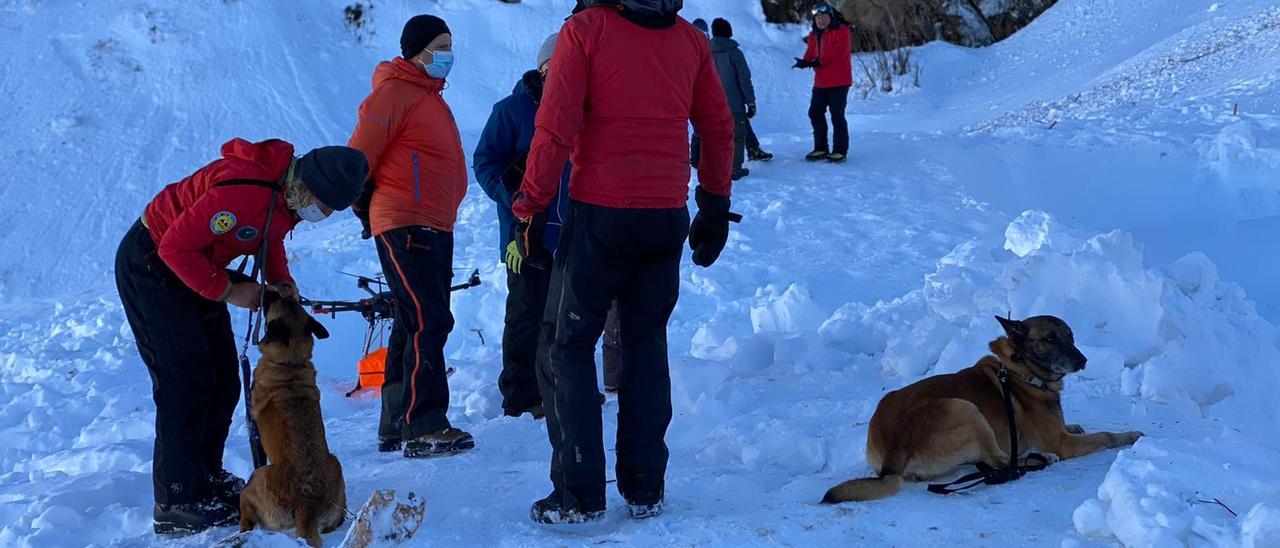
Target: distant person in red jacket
(417, 180)
(172, 277)
(626, 78)
(830, 55)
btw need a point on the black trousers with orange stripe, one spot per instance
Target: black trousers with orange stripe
(418, 264)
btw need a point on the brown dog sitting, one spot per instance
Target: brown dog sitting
(302, 488)
(927, 429)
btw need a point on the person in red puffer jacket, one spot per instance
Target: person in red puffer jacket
(418, 178)
(830, 55)
(171, 274)
(626, 78)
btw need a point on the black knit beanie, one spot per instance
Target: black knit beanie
(721, 28)
(335, 175)
(419, 31)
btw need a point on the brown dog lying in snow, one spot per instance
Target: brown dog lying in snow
(302, 488)
(927, 429)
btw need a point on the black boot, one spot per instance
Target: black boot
(758, 155)
(444, 442)
(559, 509)
(226, 487)
(644, 511)
(190, 518)
(389, 445)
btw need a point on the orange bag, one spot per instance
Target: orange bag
(373, 368)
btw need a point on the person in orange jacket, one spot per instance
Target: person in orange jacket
(417, 179)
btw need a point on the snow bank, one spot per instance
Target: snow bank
(1176, 335)
(1219, 491)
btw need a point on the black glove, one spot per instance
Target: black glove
(361, 209)
(710, 228)
(514, 174)
(800, 63)
(751, 110)
(528, 236)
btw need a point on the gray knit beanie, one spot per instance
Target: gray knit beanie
(548, 48)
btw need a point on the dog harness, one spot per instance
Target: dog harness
(996, 476)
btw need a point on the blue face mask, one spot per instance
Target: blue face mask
(441, 64)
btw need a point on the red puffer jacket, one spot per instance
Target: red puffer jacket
(200, 227)
(620, 97)
(408, 133)
(833, 50)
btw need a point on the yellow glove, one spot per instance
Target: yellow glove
(514, 259)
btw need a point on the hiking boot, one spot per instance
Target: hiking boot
(226, 487)
(644, 511)
(389, 444)
(444, 442)
(740, 173)
(836, 158)
(815, 156)
(554, 510)
(190, 518)
(758, 155)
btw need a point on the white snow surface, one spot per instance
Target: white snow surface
(1113, 164)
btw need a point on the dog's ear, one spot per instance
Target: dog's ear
(1015, 329)
(317, 329)
(278, 332)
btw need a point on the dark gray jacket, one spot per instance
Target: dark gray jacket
(734, 74)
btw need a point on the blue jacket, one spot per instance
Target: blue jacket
(504, 142)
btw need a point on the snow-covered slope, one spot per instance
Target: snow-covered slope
(843, 282)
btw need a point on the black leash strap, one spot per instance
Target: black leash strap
(995, 476)
(255, 316)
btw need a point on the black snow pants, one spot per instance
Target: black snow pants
(526, 301)
(418, 264)
(189, 349)
(833, 100)
(632, 255)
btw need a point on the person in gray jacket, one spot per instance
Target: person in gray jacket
(735, 76)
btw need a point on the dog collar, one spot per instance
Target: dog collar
(1029, 379)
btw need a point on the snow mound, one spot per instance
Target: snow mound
(1217, 492)
(1175, 335)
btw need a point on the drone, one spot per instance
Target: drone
(377, 309)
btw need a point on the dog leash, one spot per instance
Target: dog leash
(995, 476)
(258, 454)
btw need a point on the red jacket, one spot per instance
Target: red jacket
(833, 49)
(409, 136)
(620, 98)
(199, 228)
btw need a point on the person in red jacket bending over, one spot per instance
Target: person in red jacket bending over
(830, 55)
(626, 78)
(172, 277)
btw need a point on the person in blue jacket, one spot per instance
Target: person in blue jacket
(499, 166)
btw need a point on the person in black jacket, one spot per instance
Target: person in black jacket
(735, 76)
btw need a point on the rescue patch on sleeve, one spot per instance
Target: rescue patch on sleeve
(222, 222)
(246, 233)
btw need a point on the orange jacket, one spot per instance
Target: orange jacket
(409, 136)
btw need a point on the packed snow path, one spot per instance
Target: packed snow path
(843, 281)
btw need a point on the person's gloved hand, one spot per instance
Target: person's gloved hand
(515, 259)
(527, 234)
(804, 63)
(514, 174)
(246, 295)
(710, 228)
(361, 210)
(751, 110)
